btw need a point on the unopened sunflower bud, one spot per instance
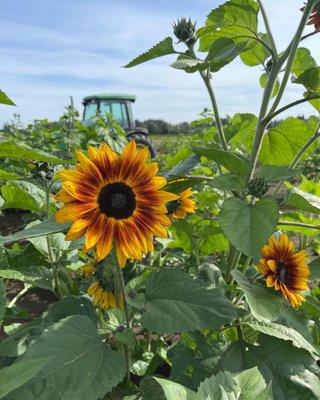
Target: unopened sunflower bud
(121, 328)
(132, 294)
(184, 30)
(257, 187)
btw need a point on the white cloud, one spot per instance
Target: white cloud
(83, 51)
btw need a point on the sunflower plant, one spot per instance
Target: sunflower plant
(197, 280)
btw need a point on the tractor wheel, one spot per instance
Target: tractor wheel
(143, 141)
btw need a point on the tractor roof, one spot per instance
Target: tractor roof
(111, 96)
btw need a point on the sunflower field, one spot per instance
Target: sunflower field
(192, 276)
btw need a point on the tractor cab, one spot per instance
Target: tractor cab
(119, 105)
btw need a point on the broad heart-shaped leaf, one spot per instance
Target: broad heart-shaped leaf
(240, 129)
(285, 333)
(18, 197)
(276, 173)
(2, 300)
(310, 79)
(304, 201)
(46, 227)
(264, 303)
(183, 167)
(302, 61)
(233, 162)
(162, 389)
(162, 48)
(282, 142)
(81, 368)
(175, 302)
(4, 99)
(256, 54)
(248, 226)
(230, 18)
(222, 52)
(18, 374)
(245, 385)
(12, 150)
(292, 372)
(231, 182)
(7, 175)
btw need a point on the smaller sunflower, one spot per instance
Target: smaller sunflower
(314, 18)
(178, 209)
(105, 299)
(284, 269)
(87, 270)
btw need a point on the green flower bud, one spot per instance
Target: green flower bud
(184, 30)
(257, 187)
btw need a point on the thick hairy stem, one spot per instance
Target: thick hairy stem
(299, 224)
(292, 52)
(207, 82)
(268, 29)
(119, 275)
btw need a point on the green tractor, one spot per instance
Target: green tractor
(119, 105)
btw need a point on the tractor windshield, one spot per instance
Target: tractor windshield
(90, 111)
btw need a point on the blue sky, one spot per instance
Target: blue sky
(50, 50)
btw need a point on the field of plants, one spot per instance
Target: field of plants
(191, 276)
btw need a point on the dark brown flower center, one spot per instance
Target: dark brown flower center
(117, 200)
(173, 206)
(282, 272)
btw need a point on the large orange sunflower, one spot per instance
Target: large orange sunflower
(285, 269)
(178, 209)
(116, 199)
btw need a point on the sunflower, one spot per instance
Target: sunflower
(115, 199)
(284, 268)
(87, 270)
(178, 209)
(314, 16)
(104, 298)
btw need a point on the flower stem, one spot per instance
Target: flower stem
(299, 224)
(268, 29)
(119, 275)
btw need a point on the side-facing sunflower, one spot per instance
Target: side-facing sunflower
(314, 18)
(87, 270)
(178, 209)
(285, 269)
(116, 199)
(104, 298)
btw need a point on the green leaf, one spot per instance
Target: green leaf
(17, 197)
(81, 368)
(4, 99)
(222, 52)
(183, 167)
(230, 182)
(240, 129)
(264, 303)
(285, 333)
(46, 227)
(310, 79)
(282, 142)
(302, 61)
(246, 385)
(248, 226)
(162, 389)
(162, 48)
(6, 175)
(181, 184)
(233, 162)
(292, 372)
(15, 151)
(3, 300)
(175, 302)
(304, 201)
(264, 80)
(18, 374)
(257, 54)
(276, 173)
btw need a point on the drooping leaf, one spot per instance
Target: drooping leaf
(233, 162)
(175, 302)
(304, 201)
(81, 367)
(310, 79)
(17, 197)
(264, 303)
(4, 99)
(18, 374)
(292, 372)
(276, 173)
(46, 227)
(248, 226)
(302, 61)
(15, 151)
(162, 48)
(184, 183)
